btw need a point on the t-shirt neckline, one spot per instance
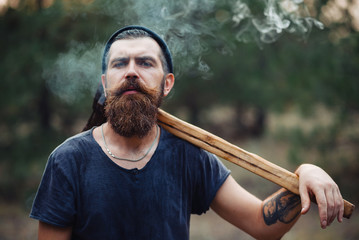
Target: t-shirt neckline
(130, 170)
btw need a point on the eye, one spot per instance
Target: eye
(118, 64)
(145, 63)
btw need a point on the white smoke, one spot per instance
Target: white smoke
(183, 25)
(75, 72)
(278, 17)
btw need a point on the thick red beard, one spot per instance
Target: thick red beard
(133, 114)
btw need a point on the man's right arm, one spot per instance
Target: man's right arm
(51, 232)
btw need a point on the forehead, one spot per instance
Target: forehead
(135, 47)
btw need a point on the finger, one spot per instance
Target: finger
(322, 206)
(305, 200)
(341, 213)
(332, 208)
(341, 206)
(338, 207)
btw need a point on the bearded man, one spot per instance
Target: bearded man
(127, 178)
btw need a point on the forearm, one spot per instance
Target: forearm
(280, 211)
(268, 219)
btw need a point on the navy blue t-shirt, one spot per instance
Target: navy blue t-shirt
(83, 188)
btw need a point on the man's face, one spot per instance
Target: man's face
(135, 85)
(135, 58)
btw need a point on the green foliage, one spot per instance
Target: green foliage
(32, 119)
(212, 68)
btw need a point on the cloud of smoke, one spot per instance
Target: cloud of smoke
(278, 17)
(75, 72)
(183, 25)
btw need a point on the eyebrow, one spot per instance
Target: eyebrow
(146, 58)
(140, 58)
(119, 59)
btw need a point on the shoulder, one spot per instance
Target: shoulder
(77, 140)
(73, 146)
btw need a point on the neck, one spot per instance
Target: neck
(132, 144)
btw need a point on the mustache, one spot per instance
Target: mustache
(131, 84)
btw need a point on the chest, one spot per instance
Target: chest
(153, 198)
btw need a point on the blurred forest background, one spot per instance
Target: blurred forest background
(281, 86)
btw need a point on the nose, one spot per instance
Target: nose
(131, 71)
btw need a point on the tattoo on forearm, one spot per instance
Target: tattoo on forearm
(283, 207)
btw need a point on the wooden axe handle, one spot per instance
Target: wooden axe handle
(234, 154)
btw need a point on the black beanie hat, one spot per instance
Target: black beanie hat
(155, 36)
(97, 117)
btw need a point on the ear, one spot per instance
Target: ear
(169, 82)
(104, 83)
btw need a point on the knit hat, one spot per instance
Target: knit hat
(155, 36)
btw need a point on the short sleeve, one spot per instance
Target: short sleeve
(210, 175)
(54, 202)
